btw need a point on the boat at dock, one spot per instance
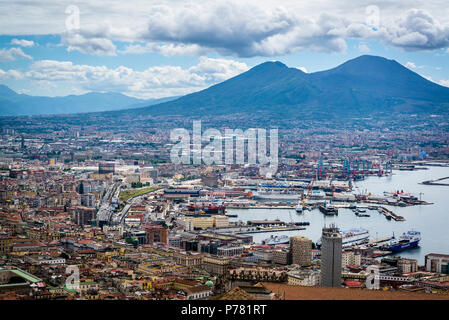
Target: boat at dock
(207, 209)
(277, 195)
(275, 240)
(407, 240)
(277, 191)
(328, 209)
(362, 215)
(352, 237)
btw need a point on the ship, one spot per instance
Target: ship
(351, 237)
(407, 240)
(207, 209)
(362, 215)
(277, 195)
(328, 209)
(275, 240)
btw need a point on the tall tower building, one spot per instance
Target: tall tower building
(301, 251)
(106, 167)
(88, 200)
(331, 254)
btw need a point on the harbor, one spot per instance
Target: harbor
(431, 220)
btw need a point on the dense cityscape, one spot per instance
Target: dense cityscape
(206, 159)
(136, 226)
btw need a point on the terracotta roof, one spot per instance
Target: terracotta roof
(437, 255)
(197, 289)
(321, 293)
(236, 294)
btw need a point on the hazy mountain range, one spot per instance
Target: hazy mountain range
(363, 86)
(13, 103)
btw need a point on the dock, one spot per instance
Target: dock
(271, 230)
(388, 213)
(436, 182)
(378, 241)
(273, 206)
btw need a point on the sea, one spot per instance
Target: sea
(431, 220)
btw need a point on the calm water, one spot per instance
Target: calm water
(431, 220)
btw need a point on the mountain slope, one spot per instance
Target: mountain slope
(358, 87)
(364, 86)
(12, 103)
(266, 86)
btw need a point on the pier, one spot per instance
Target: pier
(271, 230)
(247, 229)
(388, 213)
(436, 182)
(376, 242)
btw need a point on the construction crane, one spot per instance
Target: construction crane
(332, 189)
(420, 194)
(309, 192)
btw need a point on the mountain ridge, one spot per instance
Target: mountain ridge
(13, 103)
(363, 85)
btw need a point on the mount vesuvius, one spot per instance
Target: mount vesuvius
(367, 85)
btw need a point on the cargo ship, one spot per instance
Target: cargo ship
(406, 241)
(277, 191)
(275, 240)
(277, 195)
(207, 209)
(351, 237)
(328, 209)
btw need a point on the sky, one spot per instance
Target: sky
(153, 49)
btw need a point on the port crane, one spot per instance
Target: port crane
(332, 189)
(309, 192)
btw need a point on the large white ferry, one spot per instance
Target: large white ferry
(270, 191)
(278, 195)
(352, 237)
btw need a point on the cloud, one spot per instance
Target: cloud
(23, 42)
(168, 49)
(154, 82)
(13, 54)
(444, 83)
(303, 69)
(416, 30)
(10, 74)
(363, 48)
(253, 28)
(247, 30)
(243, 30)
(88, 43)
(410, 65)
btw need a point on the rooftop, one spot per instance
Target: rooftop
(321, 293)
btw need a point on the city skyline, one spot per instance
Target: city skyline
(299, 151)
